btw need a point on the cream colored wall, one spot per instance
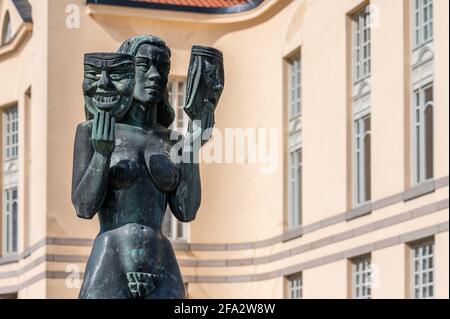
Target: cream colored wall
(442, 83)
(389, 266)
(326, 282)
(255, 50)
(26, 68)
(442, 262)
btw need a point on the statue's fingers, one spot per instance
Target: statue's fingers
(101, 125)
(95, 126)
(107, 127)
(112, 133)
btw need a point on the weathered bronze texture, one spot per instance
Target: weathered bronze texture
(129, 166)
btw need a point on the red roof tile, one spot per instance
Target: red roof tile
(199, 3)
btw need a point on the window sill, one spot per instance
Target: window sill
(419, 190)
(292, 234)
(360, 211)
(9, 259)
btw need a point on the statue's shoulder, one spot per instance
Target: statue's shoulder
(84, 127)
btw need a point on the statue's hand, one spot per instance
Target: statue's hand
(103, 133)
(201, 130)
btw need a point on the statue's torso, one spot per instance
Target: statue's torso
(141, 176)
(130, 241)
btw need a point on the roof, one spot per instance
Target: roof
(201, 6)
(24, 9)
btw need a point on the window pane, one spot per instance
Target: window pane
(294, 88)
(367, 167)
(361, 278)
(429, 147)
(423, 271)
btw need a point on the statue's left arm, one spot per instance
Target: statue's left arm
(185, 200)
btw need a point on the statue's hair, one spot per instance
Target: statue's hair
(132, 45)
(165, 113)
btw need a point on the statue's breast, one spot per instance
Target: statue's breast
(164, 172)
(125, 173)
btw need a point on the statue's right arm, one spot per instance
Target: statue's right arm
(92, 156)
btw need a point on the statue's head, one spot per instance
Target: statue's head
(152, 72)
(206, 79)
(108, 85)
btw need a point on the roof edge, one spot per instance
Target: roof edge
(193, 9)
(24, 9)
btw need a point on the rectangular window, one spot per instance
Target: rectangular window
(423, 134)
(177, 95)
(11, 133)
(361, 108)
(295, 186)
(295, 286)
(361, 45)
(172, 228)
(422, 21)
(295, 87)
(10, 219)
(422, 270)
(361, 281)
(10, 130)
(362, 146)
(295, 160)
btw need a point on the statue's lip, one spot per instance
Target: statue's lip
(106, 94)
(106, 102)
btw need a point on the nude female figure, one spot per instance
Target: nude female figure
(128, 166)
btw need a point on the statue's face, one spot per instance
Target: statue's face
(108, 84)
(212, 82)
(152, 71)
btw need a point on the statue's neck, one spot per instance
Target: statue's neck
(143, 116)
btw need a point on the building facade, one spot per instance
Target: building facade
(351, 200)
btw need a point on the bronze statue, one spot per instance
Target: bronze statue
(128, 168)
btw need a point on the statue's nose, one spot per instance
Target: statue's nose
(153, 73)
(103, 83)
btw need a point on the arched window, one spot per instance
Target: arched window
(7, 29)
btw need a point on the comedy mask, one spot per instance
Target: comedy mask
(108, 85)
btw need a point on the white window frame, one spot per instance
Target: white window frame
(359, 168)
(295, 144)
(361, 100)
(175, 227)
(10, 230)
(422, 66)
(295, 187)
(11, 227)
(177, 97)
(295, 86)
(361, 277)
(419, 137)
(361, 45)
(422, 31)
(422, 270)
(295, 286)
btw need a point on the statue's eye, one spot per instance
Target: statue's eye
(92, 75)
(142, 65)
